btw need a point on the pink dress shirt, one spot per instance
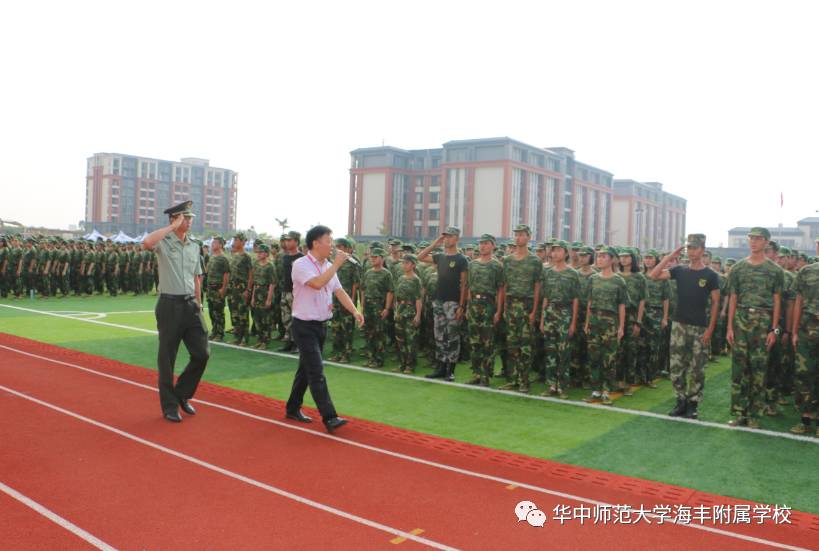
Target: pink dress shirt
(312, 304)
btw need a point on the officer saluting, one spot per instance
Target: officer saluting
(178, 310)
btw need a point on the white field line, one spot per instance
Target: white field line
(55, 518)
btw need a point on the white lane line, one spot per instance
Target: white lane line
(55, 518)
(247, 480)
(417, 379)
(399, 455)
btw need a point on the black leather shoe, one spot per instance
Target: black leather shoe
(186, 407)
(299, 416)
(173, 417)
(334, 423)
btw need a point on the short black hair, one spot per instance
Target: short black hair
(316, 232)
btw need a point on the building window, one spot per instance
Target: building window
(554, 164)
(419, 198)
(419, 214)
(433, 214)
(433, 197)
(433, 231)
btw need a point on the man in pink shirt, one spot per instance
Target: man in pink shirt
(314, 284)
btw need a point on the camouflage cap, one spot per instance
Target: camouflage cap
(651, 252)
(586, 250)
(773, 245)
(274, 245)
(219, 238)
(487, 237)
(343, 241)
(695, 240)
(376, 245)
(283, 237)
(523, 228)
(408, 247)
(729, 261)
(716, 260)
(452, 230)
(240, 236)
(605, 249)
(423, 244)
(540, 247)
(394, 242)
(293, 235)
(577, 245)
(560, 243)
(378, 251)
(469, 247)
(410, 258)
(262, 248)
(784, 251)
(707, 253)
(759, 232)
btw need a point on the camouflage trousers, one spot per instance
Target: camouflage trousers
(4, 285)
(542, 363)
(134, 282)
(519, 338)
(287, 315)
(44, 284)
(653, 335)
(428, 329)
(482, 336)
(775, 372)
(557, 345)
(406, 335)
(262, 315)
(99, 281)
(629, 364)
(277, 311)
(375, 331)
(580, 351)
(806, 370)
(602, 339)
(238, 309)
(147, 282)
(749, 361)
(688, 359)
(64, 284)
(447, 331)
(112, 283)
(718, 339)
(343, 326)
(216, 312)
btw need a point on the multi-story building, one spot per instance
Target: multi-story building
(645, 216)
(130, 193)
(482, 186)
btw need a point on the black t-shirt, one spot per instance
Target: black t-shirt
(287, 265)
(693, 289)
(449, 276)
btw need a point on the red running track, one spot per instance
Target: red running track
(83, 438)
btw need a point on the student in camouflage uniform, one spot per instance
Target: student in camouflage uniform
(112, 270)
(427, 319)
(806, 342)
(276, 312)
(134, 271)
(788, 262)
(147, 283)
(264, 282)
(774, 375)
(4, 256)
(408, 308)
(605, 324)
(241, 282)
(485, 308)
(291, 254)
(449, 302)
(99, 268)
(755, 286)
(376, 294)
(581, 374)
(718, 340)
(218, 279)
(522, 276)
(541, 362)
(631, 364)
(343, 322)
(558, 322)
(695, 320)
(655, 319)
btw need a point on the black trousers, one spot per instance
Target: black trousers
(309, 337)
(179, 319)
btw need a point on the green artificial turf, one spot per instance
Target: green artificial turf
(749, 466)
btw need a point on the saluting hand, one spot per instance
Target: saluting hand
(176, 221)
(341, 258)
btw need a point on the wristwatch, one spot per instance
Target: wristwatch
(775, 330)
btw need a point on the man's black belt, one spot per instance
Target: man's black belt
(179, 298)
(482, 296)
(755, 309)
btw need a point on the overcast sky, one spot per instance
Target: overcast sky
(716, 100)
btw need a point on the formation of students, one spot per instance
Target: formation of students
(566, 314)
